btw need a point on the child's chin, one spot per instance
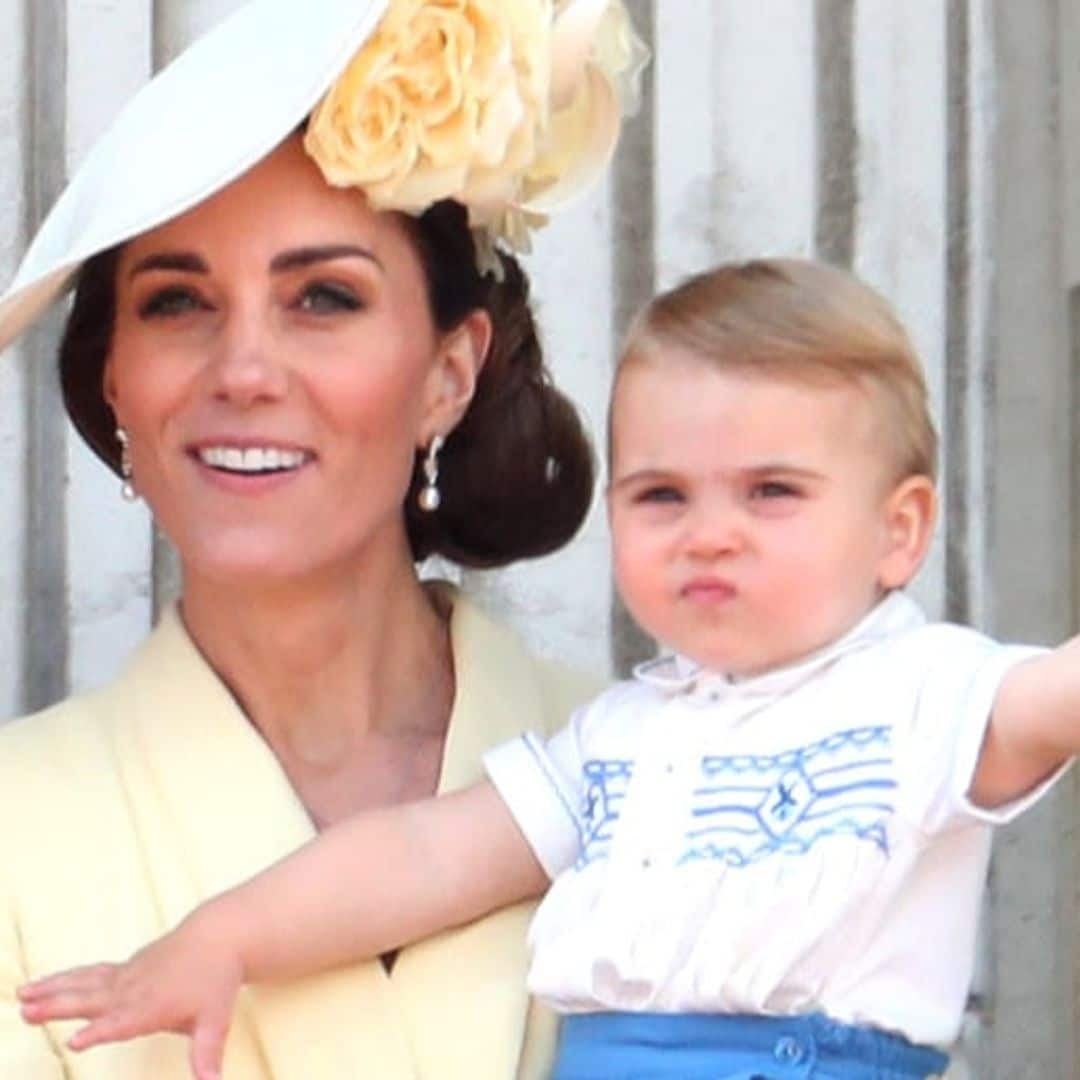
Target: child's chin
(739, 668)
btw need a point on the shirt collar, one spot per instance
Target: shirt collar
(675, 674)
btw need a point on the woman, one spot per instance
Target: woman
(312, 386)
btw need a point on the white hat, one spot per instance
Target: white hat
(234, 95)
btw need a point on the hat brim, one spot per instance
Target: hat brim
(205, 120)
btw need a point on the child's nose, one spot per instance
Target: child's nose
(714, 532)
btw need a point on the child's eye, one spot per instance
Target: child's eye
(774, 489)
(661, 493)
(171, 302)
(328, 298)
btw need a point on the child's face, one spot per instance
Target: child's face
(754, 520)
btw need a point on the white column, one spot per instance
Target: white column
(901, 235)
(735, 132)
(109, 541)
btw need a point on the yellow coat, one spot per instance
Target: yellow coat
(123, 808)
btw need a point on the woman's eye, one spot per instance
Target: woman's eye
(774, 489)
(327, 298)
(169, 303)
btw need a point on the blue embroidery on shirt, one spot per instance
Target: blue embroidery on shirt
(753, 806)
(750, 807)
(605, 788)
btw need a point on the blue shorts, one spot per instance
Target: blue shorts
(693, 1046)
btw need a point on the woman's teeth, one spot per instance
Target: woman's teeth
(252, 459)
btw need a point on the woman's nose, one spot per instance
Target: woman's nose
(248, 366)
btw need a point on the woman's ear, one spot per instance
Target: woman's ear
(453, 377)
(910, 514)
(108, 386)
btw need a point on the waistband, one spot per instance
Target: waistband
(689, 1046)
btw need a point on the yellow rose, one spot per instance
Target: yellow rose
(595, 83)
(447, 99)
(512, 107)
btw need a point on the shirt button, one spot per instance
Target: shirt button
(787, 1051)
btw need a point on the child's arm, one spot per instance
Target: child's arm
(1034, 728)
(365, 886)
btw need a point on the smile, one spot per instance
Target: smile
(252, 460)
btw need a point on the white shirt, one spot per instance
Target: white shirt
(794, 842)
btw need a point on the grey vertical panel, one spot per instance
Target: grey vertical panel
(1071, 838)
(634, 277)
(963, 433)
(46, 604)
(834, 238)
(1030, 541)
(14, 142)
(961, 562)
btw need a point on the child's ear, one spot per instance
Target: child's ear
(452, 382)
(910, 514)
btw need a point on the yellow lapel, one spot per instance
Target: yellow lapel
(216, 807)
(463, 992)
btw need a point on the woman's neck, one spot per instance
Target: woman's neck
(326, 668)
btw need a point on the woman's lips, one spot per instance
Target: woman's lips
(249, 466)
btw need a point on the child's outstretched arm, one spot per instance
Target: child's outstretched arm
(1034, 728)
(368, 885)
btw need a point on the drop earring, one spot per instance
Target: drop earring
(430, 498)
(127, 489)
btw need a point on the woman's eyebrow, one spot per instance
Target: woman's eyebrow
(308, 256)
(188, 262)
(171, 260)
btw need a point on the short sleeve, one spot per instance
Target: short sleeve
(955, 700)
(540, 784)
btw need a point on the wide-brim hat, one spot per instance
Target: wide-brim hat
(240, 90)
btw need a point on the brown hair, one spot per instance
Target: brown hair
(516, 473)
(800, 320)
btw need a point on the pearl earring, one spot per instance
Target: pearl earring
(127, 490)
(430, 498)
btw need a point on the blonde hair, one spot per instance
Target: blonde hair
(800, 320)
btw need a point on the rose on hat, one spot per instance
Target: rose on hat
(511, 107)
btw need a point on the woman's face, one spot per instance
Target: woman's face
(276, 367)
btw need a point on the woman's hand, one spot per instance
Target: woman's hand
(184, 982)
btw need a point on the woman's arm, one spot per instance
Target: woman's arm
(1034, 728)
(370, 884)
